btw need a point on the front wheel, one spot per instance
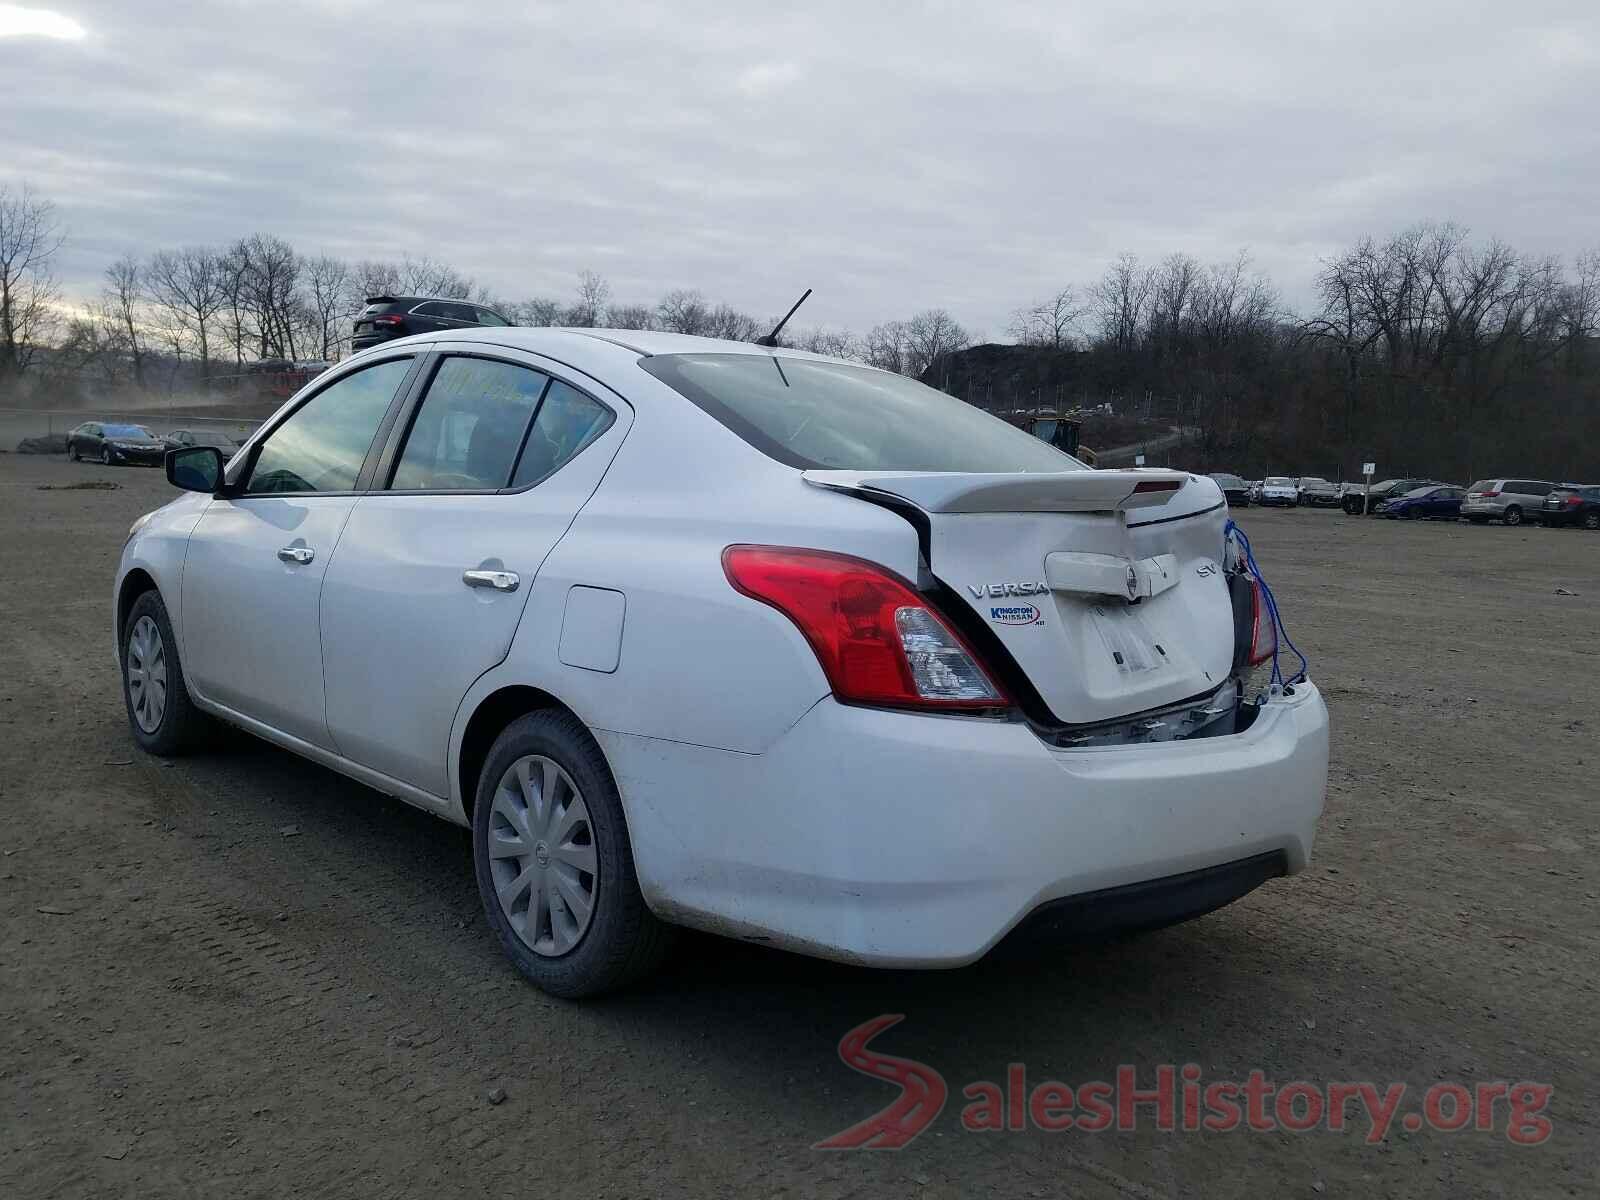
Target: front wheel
(1512, 516)
(163, 719)
(72, 451)
(105, 455)
(553, 862)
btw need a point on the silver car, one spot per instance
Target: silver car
(1508, 500)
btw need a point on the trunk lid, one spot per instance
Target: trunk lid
(1106, 587)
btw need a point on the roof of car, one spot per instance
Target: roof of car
(595, 349)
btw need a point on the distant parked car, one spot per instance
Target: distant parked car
(1434, 503)
(116, 443)
(388, 317)
(1235, 490)
(1386, 489)
(1573, 506)
(1279, 490)
(1318, 492)
(1508, 500)
(201, 437)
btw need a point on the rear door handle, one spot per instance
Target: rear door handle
(297, 554)
(500, 581)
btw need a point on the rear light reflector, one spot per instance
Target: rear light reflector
(1263, 629)
(877, 640)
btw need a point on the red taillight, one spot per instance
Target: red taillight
(395, 319)
(1574, 501)
(1486, 495)
(877, 640)
(1263, 629)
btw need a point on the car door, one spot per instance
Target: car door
(252, 580)
(481, 479)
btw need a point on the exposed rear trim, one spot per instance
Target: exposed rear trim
(1199, 512)
(1094, 916)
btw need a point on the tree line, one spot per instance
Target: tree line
(1426, 350)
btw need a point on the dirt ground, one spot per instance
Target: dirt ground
(244, 975)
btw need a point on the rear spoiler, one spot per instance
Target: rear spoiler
(380, 299)
(1055, 491)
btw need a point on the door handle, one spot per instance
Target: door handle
(297, 554)
(500, 581)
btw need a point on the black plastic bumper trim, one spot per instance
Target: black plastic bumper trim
(1150, 904)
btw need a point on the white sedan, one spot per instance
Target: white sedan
(699, 633)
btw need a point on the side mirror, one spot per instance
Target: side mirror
(195, 469)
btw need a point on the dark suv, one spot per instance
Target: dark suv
(388, 317)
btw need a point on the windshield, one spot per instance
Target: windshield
(809, 414)
(128, 431)
(1278, 481)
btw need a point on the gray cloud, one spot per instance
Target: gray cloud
(970, 155)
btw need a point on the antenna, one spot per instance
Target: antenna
(772, 338)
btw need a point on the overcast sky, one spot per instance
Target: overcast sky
(965, 155)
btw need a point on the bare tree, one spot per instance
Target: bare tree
(887, 347)
(271, 281)
(725, 321)
(122, 300)
(683, 310)
(1119, 302)
(30, 235)
(541, 310)
(930, 336)
(188, 284)
(590, 308)
(327, 286)
(836, 343)
(426, 276)
(631, 316)
(1051, 321)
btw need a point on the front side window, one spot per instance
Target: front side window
(322, 445)
(807, 413)
(469, 427)
(567, 422)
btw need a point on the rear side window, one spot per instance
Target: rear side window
(321, 447)
(567, 422)
(490, 317)
(1529, 487)
(810, 414)
(469, 427)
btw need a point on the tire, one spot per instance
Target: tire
(1512, 516)
(566, 954)
(1591, 519)
(105, 455)
(72, 452)
(163, 719)
(1410, 514)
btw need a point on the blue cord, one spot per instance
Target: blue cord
(1282, 639)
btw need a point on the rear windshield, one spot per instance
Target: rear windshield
(1278, 481)
(1227, 480)
(812, 414)
(1483, 485)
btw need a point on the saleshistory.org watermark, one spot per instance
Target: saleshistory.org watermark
(1178, 1098)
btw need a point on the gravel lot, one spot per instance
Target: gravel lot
(245, 974)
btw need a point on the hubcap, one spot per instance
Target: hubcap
(542, 855)
(147, 674)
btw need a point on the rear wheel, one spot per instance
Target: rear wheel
(1512, 516)
(1591, 519)
(553, 862)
